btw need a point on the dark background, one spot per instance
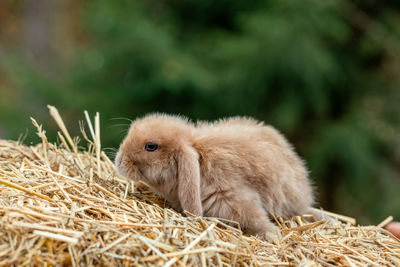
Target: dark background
(325, 73)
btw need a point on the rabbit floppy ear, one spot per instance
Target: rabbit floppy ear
(189, 180)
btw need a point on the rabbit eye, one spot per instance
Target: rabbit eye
(150, 147)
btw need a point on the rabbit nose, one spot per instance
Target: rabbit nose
(118, 161)
(120, 164)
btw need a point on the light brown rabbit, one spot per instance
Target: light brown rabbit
(238, 168)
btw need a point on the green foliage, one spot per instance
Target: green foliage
(320, 71)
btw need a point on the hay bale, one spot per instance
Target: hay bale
(62, 206)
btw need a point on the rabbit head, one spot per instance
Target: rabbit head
(158, 150)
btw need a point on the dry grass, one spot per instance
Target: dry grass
(62, 206)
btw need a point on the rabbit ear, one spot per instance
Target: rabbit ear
(189, 180)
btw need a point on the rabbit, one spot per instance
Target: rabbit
(236, 168)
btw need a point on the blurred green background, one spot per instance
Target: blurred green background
(325, 73)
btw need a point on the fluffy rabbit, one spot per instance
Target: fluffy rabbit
(236, 168)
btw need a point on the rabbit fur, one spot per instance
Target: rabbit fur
(235, 168)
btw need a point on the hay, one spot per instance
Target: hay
(63, 206)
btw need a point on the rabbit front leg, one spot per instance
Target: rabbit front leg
(252, 216)
(257, 222)
(244, 207)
